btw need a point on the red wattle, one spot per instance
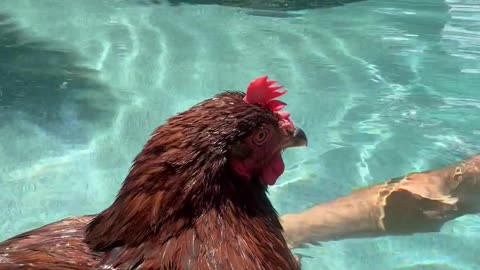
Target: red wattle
(273, 171)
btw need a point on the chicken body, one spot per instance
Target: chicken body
(212, 243)
(195, 198)
(55, 246)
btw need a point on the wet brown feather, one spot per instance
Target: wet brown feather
(55, 246)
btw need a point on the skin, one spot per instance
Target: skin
(415, 203)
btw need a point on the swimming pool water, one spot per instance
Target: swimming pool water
(381, 87)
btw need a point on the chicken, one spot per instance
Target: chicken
(194, 198)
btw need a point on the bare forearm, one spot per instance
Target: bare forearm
(415, 203)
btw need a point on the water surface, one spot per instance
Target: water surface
(381, 87)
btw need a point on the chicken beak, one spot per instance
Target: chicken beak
(296, 138)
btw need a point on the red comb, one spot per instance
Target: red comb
(261, 91)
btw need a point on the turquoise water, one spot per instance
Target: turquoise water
(381, 87)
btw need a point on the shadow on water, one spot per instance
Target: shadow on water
(278, 5)
(46, 86)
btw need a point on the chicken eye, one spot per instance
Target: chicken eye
(260, 137)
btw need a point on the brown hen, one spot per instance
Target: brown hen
(195, 197)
